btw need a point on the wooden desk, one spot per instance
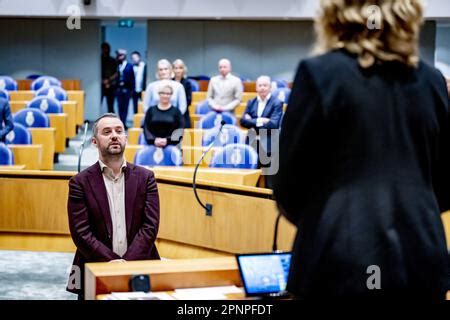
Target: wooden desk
(166, 275)
(59, 121)
(236, 177)
(70, 108)
(45, 137)
(78, 97)
(34, 211)
(24, 95)
(12, 167)
(27, 155)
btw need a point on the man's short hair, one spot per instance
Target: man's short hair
(106, 115)
(136, 52)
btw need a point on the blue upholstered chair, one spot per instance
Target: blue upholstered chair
(202, 107)
(230, 134)
(4, 94)
(53, 92)
(142, 140)
(8, 83)
(235, 156)
(213, 119)
(282, 94)
(6, 155)
(45, 82)
(46, 104)
(194, 85)
(19, 135)
(154, 156)
(31, 118)
(280, 83)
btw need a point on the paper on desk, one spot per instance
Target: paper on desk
(139, 296)
(208, 293)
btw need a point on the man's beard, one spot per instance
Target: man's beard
(113, 151)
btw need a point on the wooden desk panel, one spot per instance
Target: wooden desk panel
(17, 105)
(137, 118)
(46, 138)
(29, 156)
(35, 205)
(235, 177)
(70, 108)
(59, 122)
(12, 167)
(231, 228)
(24, 95)
(78, 97)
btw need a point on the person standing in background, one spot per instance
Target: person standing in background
(125, 84)
(224, 90)
(140, 76)
(180, 71)
(364, 168)
(109, 77)
(164, 75)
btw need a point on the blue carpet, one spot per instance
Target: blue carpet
(26, 275)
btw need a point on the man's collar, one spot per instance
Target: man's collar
(226, 77)
(103, 165)
(266, 99)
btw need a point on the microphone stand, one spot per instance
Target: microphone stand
(208, 206)
(275, 234)
(82, 145)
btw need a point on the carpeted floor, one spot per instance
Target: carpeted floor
(26, 275)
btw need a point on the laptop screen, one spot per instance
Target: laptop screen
(264, 274)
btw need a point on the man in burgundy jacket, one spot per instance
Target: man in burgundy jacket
(113, 206)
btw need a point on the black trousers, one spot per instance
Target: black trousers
(136, 97)
(110, 95)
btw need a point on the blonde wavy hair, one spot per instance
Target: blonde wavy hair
(376, 31)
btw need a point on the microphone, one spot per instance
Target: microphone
(86, 123)
(208, 206)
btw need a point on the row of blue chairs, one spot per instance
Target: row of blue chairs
(8, 83)
(55, 92)
(232, 156)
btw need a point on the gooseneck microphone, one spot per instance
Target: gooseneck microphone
(86, 123)
(208, 206)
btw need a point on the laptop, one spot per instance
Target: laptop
(264, 274)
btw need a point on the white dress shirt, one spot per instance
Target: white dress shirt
(115, 189)
(261, 106)
(139, 76)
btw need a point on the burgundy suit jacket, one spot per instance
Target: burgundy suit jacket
(90, 219)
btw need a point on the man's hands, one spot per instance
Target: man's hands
(160, 142)
(117, 261)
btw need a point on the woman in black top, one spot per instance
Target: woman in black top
(180, 71)
(364, 170)
(161, 121)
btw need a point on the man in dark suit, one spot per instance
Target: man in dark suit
(113, 206)
(140, 76)
(125, 84)
(262, 116)
(6, 120)
(109, 77)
